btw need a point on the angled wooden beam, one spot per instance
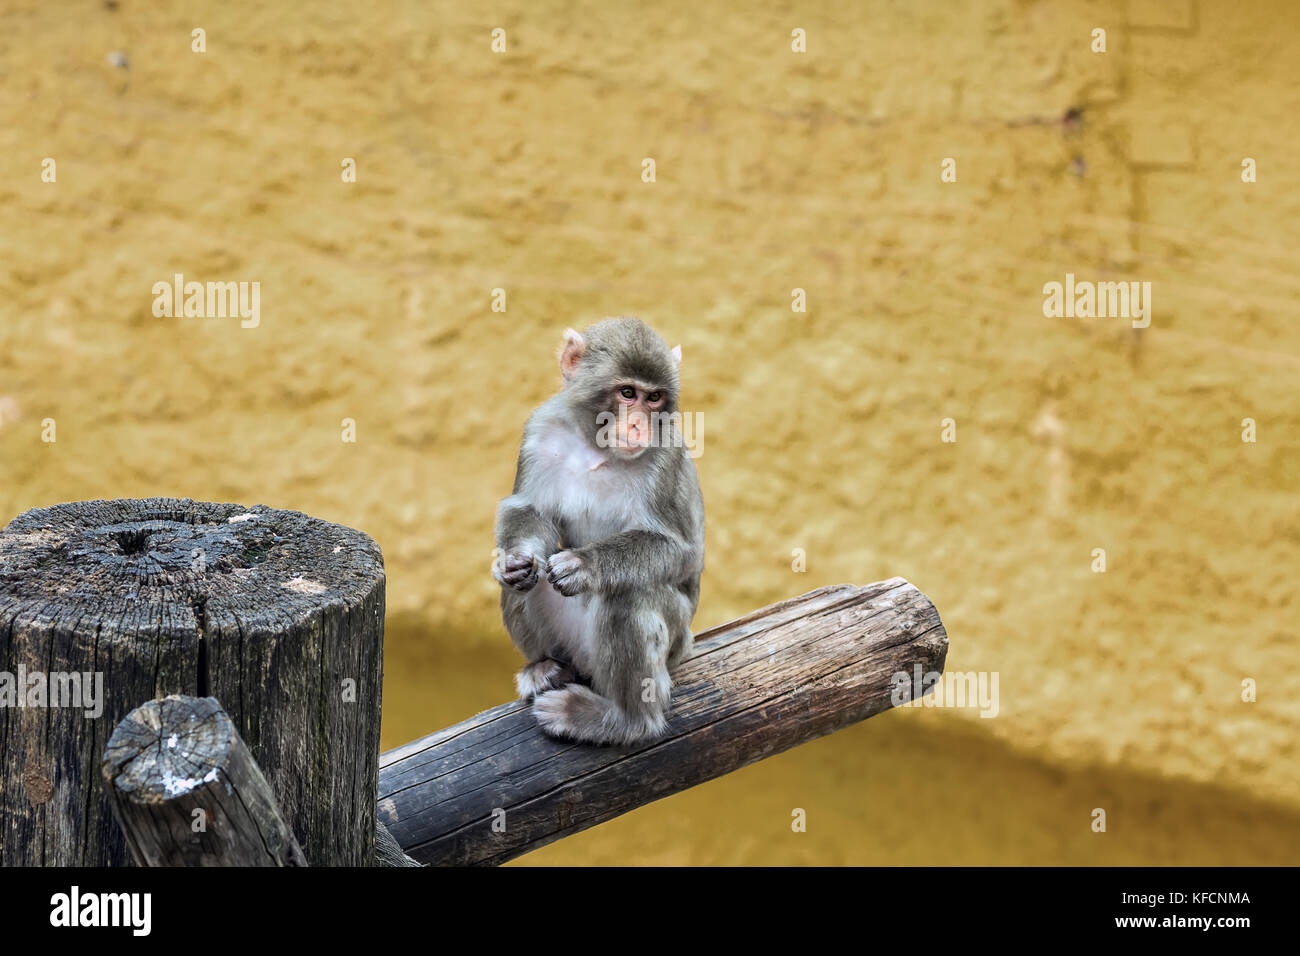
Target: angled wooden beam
(187, 792)
(494, 787)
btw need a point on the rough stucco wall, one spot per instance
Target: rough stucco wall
(822, 430)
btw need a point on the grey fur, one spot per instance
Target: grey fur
(599, 555)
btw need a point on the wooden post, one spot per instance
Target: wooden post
(494, 787)
(105, 604)
(188, 793)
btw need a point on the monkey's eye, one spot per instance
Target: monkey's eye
(654, 397)
(627, 391)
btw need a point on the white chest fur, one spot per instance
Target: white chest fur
(589, 494)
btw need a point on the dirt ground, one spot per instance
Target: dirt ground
(822, 430)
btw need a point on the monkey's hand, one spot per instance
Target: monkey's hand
(514, 569)
(568, 573)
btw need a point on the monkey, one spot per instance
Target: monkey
(600, 545)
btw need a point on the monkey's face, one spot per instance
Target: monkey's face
(627, 416)
(636, 411)
(622, 383)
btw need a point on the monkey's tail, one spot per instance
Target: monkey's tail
(576, 712)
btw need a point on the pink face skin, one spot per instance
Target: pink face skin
(635, 405)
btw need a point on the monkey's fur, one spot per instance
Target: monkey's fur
(600, 549)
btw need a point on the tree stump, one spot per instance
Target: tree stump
(276, 614)
(188, 793)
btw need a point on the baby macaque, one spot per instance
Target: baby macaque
(601, 545)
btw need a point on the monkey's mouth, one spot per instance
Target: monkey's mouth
(629, 450)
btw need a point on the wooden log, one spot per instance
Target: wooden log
(276, 614)
(494, 787)
(187, 792)
(388, 852)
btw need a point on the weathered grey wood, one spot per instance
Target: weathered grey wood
(272, 612)
(187, 792)
(764, 683)
(388, 852)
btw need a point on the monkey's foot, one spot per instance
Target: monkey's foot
(577, 712)
(541, 676)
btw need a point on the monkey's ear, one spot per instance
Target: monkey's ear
(571, 353)
(677, 354)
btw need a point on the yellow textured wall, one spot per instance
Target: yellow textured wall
(775, 170)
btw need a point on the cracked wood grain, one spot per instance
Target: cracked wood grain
(269, 611)
(187, 792)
